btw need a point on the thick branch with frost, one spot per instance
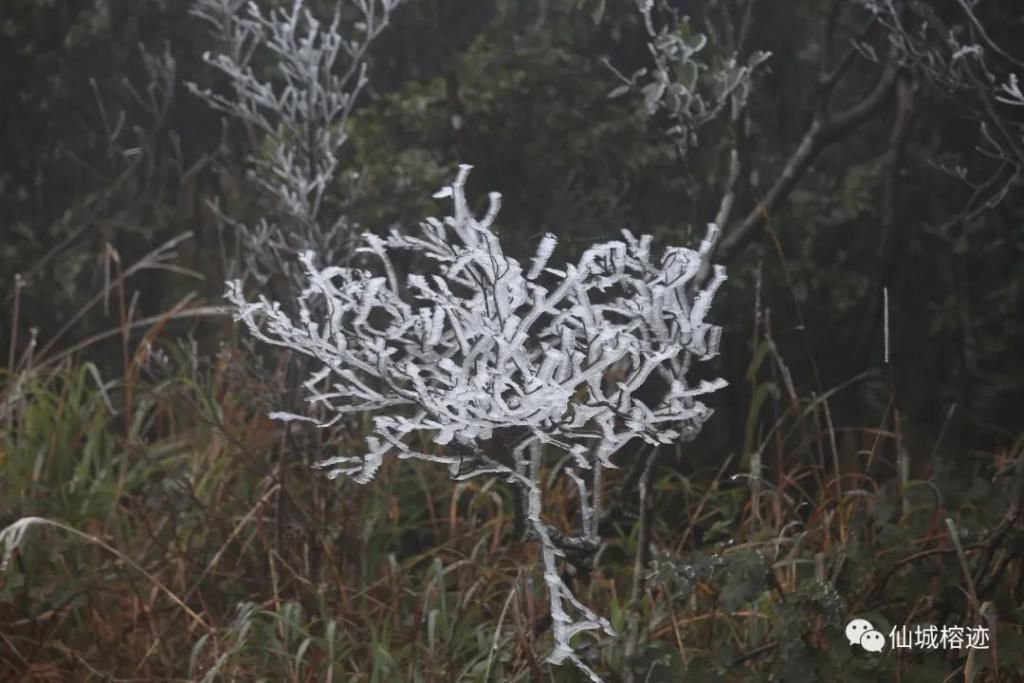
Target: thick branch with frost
(482, 353)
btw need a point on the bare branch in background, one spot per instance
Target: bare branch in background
(824, 129)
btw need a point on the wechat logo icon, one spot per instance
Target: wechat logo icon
(861, 632)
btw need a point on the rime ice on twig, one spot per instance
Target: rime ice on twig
(296, 112)
(479, 352)
(675, 83)
(953, 52)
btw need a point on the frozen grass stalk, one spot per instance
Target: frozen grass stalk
(501, 365)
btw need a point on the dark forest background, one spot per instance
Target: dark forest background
(873, 343)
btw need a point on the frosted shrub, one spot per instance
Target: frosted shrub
(501, 365)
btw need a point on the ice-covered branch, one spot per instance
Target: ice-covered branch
(954, 53)
(681, 84)
(293, 81)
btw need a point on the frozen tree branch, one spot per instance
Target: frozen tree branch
(483, 351)
(296, 112)
(292, 81)
(957, 57)
(680, 85)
